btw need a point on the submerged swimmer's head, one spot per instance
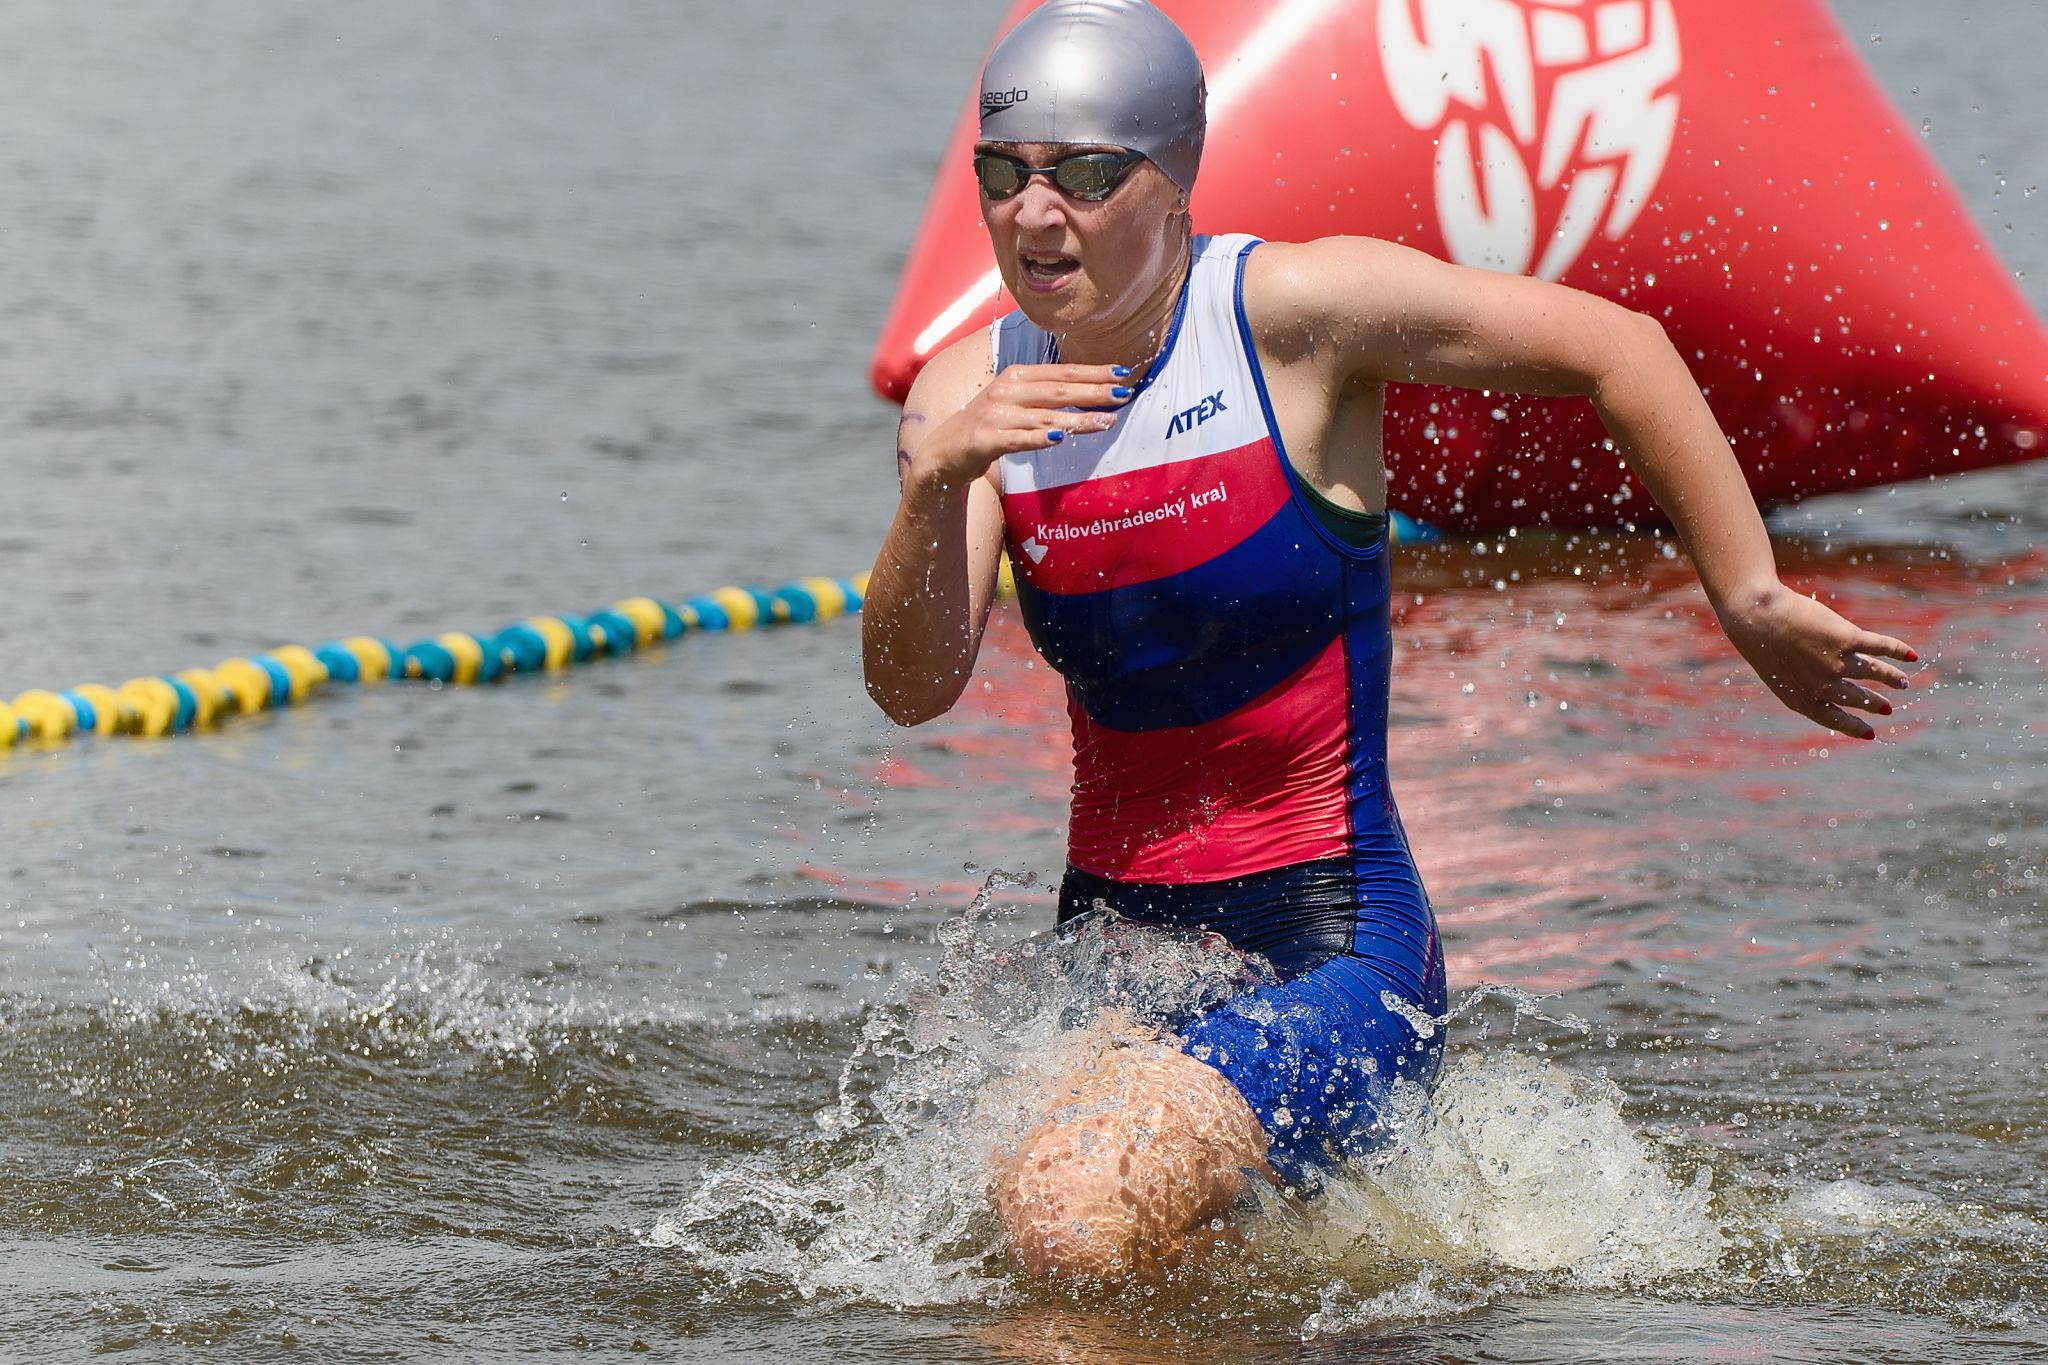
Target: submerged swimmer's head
(1100, 73)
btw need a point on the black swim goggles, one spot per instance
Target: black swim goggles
(1088, 176)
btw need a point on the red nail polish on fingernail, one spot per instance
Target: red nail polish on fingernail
(1912, 656)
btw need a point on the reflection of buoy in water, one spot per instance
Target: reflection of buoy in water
(1732, 170)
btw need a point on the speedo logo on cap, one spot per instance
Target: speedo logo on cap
(995, 101)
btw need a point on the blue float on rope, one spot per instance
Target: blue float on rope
(620, 635)
(88, 717)
(521, 647)
(188, 706)
(342, 666)
(281, 691)
(429, 660)
(706, 613)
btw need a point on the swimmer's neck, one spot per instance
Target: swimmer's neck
(1137, 341)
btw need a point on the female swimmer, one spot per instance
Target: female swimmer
(1177, 437)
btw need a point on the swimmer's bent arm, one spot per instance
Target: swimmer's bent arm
(1371, 309)
(929, 594)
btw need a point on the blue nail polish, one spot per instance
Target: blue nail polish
(1120, 391)
(1120, 371)
(1056, 436)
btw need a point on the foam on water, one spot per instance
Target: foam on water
(428, 997)
(1848, 1240)
(1520, 1177)
(1517, 1171)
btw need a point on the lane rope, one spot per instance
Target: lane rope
(201, 698)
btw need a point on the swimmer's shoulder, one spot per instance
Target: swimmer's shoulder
(1285, 281)
(950, 379)
(1344, 302)
(947, 383)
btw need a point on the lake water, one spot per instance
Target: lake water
(651, 1009)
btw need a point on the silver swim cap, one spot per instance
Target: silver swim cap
(1116, 72)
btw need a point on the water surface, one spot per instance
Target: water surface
(612, 1012)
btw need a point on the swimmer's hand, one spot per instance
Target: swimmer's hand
(927, 601)
(1815, 661)
(1026, 407)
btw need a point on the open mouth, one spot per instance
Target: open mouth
(1047, 268)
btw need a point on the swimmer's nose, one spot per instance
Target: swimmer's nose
(1040, 207)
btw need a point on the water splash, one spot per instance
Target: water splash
(1515, 1165)
(1522, 1005)
(1421, 1020)
(1520, 1164)
(888, 1201)
(1432, 1296)
(429, 999)
(1850, 1240)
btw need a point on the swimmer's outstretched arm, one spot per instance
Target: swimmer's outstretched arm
(928, 597)
(1364, 309)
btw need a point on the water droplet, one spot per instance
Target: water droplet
(1421, 1020)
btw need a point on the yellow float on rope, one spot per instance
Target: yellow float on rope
(649, 624)
(561, 641)
(155, 704)
(303, 667)
(741, 611)
(49, 716)
(826, 592)
(467, 653)
(373, 660)
(247, 684)
(209, 696)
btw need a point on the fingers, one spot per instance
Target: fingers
(1070, 374)
(1061, 393)
(1033, 428)
(1846, 693)
(1063, 386)
(1862, 666)
(1012, 431)
(1840, 721)
(1029, 407)
(1818, 663)
(1884, 646)
(1866, 658)
(1830, 708)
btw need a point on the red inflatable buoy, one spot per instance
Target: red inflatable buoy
(1730, 168)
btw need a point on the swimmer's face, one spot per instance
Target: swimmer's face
(1079, 266)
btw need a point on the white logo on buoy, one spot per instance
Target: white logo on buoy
(1532, 97)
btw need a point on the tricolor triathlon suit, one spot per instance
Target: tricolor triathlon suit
(1224, 637)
